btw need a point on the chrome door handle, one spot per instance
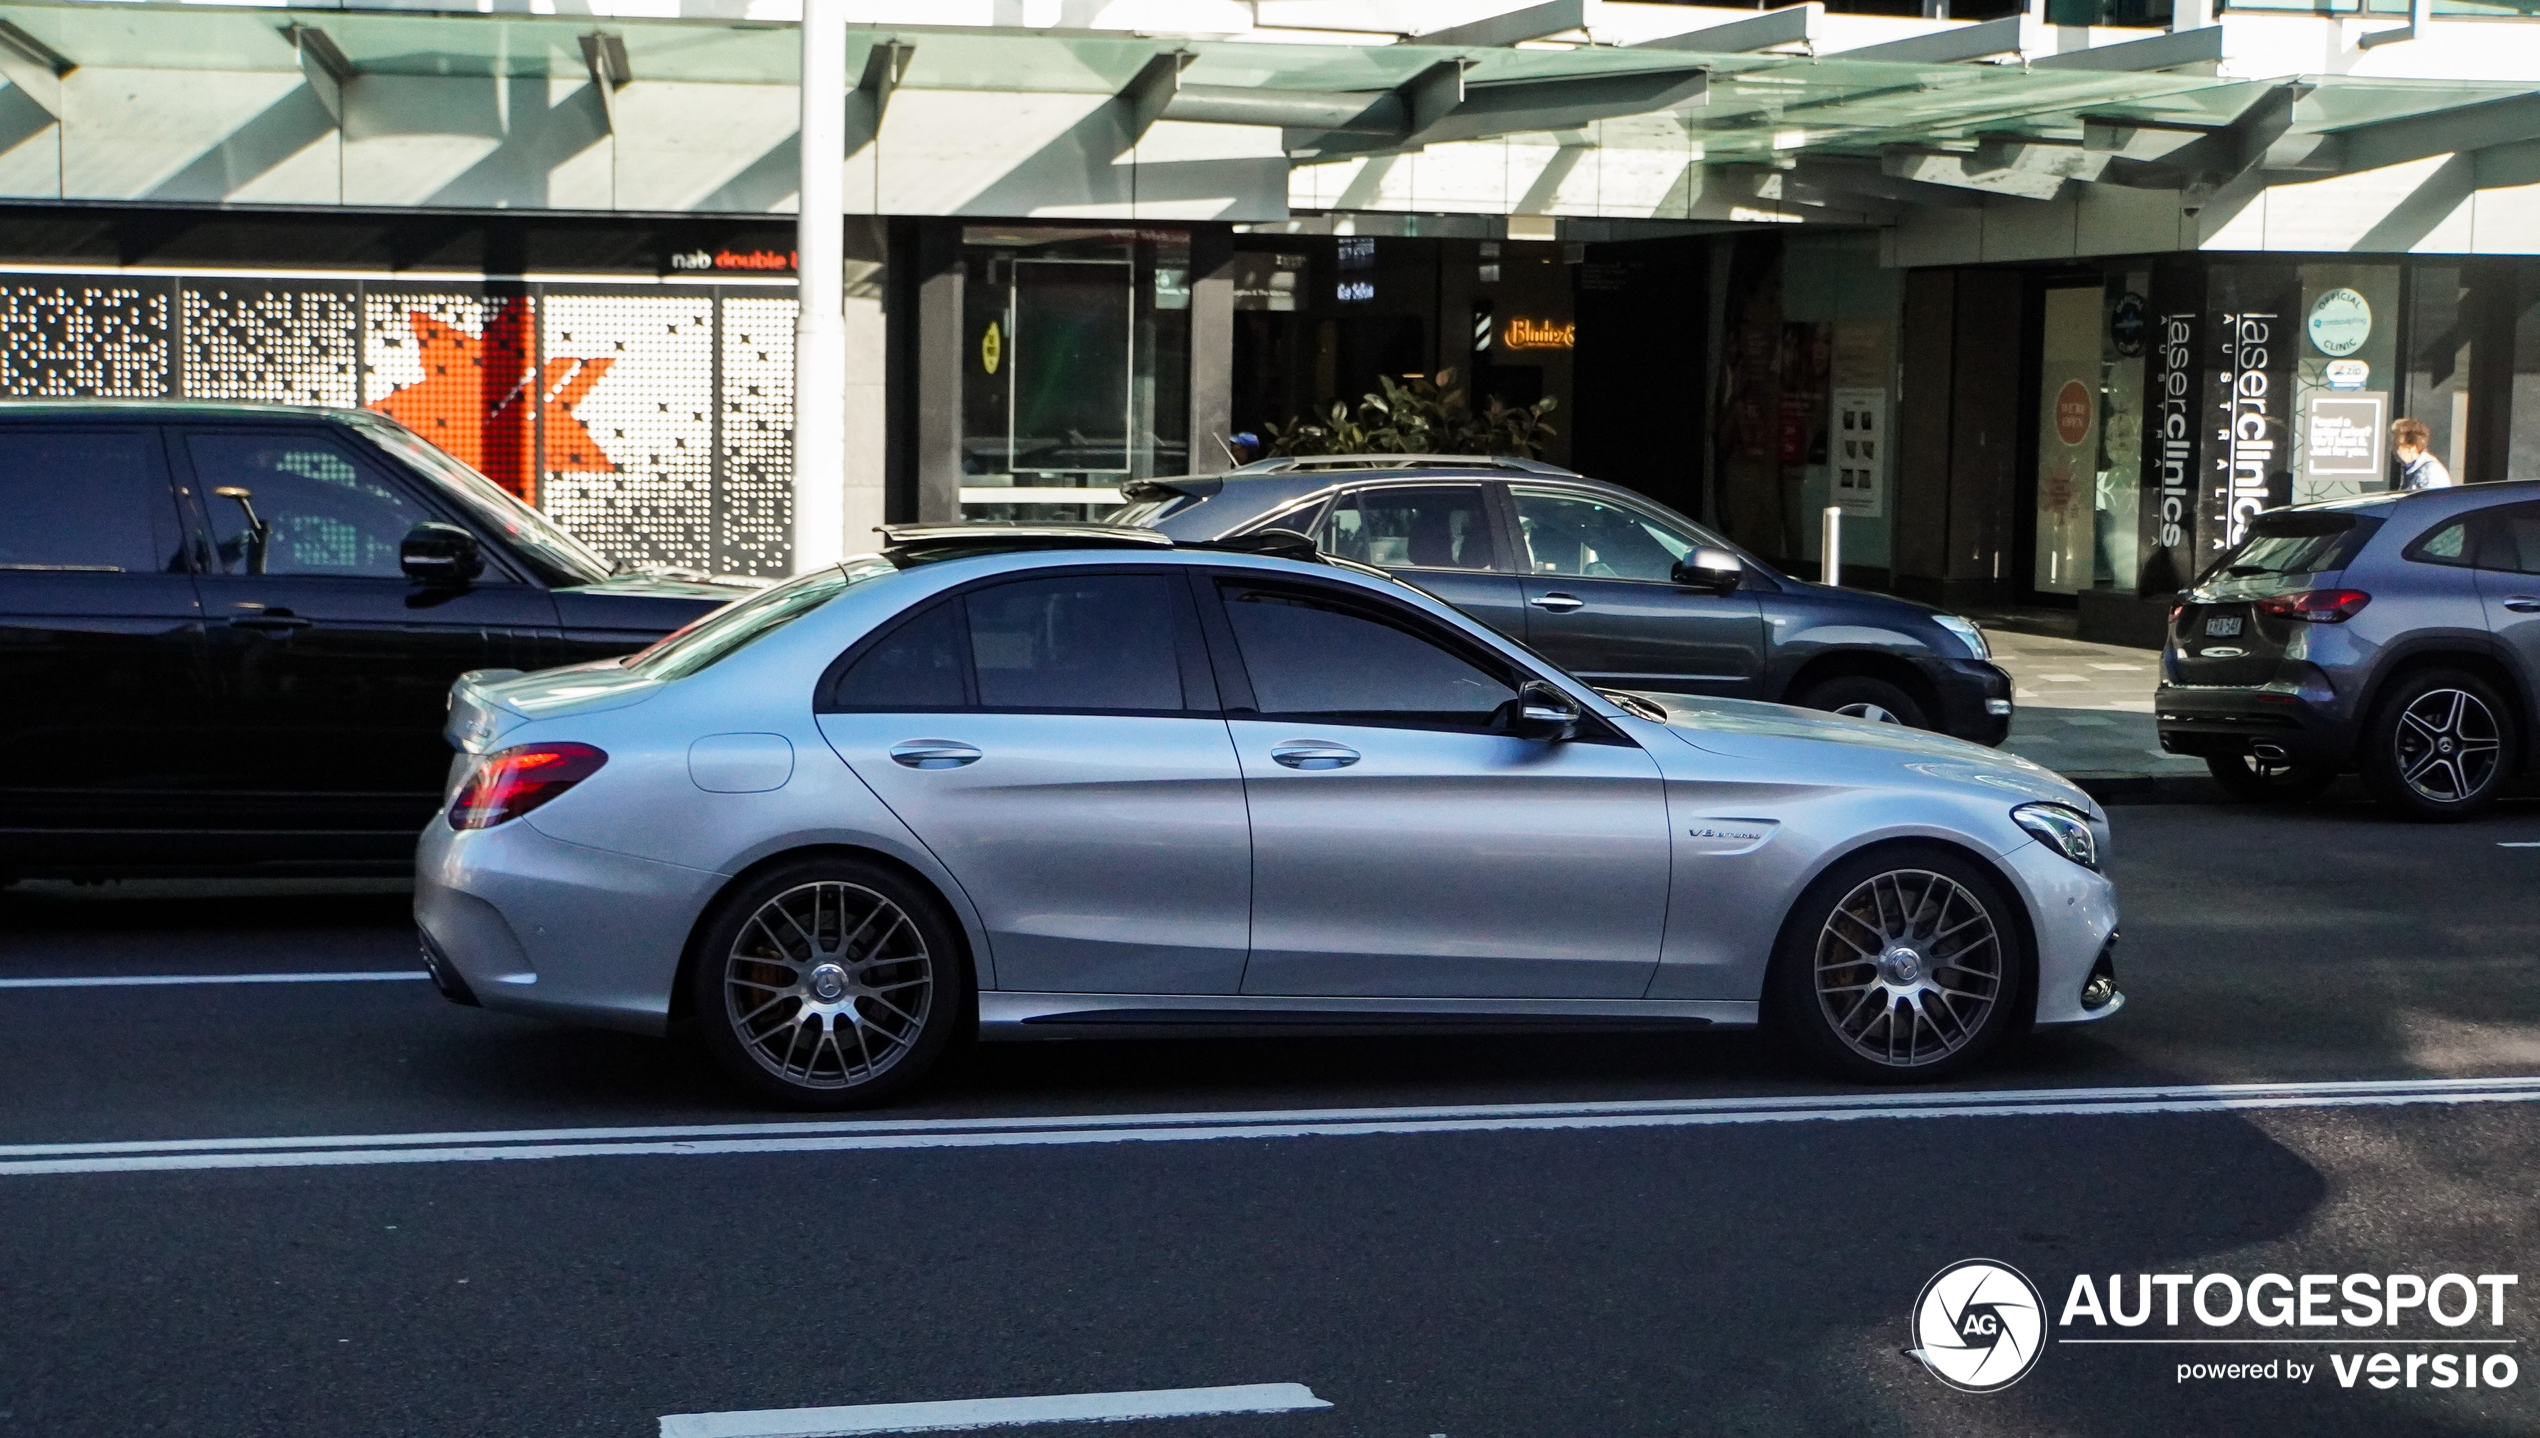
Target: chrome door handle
(2523, 603)
(1558, 602)
(1313, 754)
(278, 622)
(933, 754)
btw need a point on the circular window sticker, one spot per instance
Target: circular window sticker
(2072, 412)
(2340, 322)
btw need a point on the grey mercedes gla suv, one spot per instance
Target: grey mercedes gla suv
(1054, 781)
(2395, 635)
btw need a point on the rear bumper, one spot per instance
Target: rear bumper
(2214, 721)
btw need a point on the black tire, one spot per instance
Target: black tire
(829, 952)
(2258, 781)
(2440, 745)
(1866, 698)
(1919, 892)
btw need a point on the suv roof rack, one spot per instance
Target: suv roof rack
(1309, 463)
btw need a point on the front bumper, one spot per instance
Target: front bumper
(1975, 699)
(2272, 722)
(2075, 912)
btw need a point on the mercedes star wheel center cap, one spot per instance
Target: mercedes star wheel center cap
(828, 982)
(1901, 967)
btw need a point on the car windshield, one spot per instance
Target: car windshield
(726, 631)
(2296, 542)
(560, 558)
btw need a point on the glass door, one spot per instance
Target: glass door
(2068, 459)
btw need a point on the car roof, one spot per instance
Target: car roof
(196, 408)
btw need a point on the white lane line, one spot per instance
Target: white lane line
(144, 981)
(883, 1135)
(2519, 844)
(993, 1412)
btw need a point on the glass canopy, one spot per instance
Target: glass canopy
(1757, 106)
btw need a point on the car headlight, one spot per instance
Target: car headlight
(2063, 830)
(1967, 633)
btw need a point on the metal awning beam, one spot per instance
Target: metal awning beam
(1510, 27)
(1789, 25)
(2202, 45)
(324, 65)
(604, 55)
(1979, 41)
(35, 68)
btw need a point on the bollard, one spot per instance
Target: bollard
(1834, 546)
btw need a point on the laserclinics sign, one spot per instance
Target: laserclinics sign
(1980, 1326)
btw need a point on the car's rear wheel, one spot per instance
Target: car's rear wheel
(1863, 697)
(2253, 780)
(2439, 745)
(829, 983)
(1900, 965)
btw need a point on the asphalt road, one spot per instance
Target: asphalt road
(1690, 1276)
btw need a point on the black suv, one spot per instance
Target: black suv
(228, 631)
(1619, 590)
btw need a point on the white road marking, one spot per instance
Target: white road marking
(867, 1135)
(2065, 678)
(993, 1412)
(2119, 668)
(144, 981)
(2519, 844)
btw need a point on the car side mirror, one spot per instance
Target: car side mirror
(1540, 711)
(442, 556)
(1716, 570)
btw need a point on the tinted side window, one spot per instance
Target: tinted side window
(314, 510)
(917, 666)
(2509, 538)
(2447, 545)
(1315, 658)
(81, 500)
(1587, 538)
(1090, 642)
(1441, 526)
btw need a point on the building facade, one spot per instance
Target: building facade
(2047, 301)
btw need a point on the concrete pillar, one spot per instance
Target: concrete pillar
(1212, 379)
(820, 331)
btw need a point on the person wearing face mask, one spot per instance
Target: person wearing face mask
(2418, 468)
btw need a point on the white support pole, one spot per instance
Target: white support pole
(1834, 546)
(820, 330)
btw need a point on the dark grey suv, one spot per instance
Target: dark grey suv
(2395, 635)
(1617, 589)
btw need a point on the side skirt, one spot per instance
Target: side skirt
(1009, 1015)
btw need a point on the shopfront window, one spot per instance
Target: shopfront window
(2068, 440)
(1075, 367)
(2348, 354)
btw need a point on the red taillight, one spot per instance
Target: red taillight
(2175, 611)
(2316, 606)
(510, 783)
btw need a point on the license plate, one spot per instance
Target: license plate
(2222, 628)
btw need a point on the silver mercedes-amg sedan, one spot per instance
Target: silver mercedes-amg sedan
(1058, 781)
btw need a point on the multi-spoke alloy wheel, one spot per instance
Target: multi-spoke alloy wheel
(829, 984)
(1908, 967)
(1902, 963)
(2447, 745)
(2440, 745)
(1870, 711)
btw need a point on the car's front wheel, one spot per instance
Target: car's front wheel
(1864, 697)
(2253, 780)
(2439, 745)
(1900, 965)
(829, 983)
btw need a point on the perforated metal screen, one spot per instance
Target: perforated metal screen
(654, 422)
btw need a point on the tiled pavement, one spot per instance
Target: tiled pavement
(2085, 710)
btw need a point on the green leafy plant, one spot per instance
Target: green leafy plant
(1419, 415)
